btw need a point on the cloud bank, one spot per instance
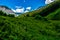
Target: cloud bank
(21, 9)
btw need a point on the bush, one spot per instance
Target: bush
(38, 17)
(2, 13)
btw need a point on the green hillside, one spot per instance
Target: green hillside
(28, 28)
(54, 15)
(41, 24)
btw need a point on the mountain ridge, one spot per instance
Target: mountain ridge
(6, 9)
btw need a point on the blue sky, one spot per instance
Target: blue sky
(23, 4)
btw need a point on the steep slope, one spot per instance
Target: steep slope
(55, 15)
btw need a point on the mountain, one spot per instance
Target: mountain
(35, 25)
(6, 9)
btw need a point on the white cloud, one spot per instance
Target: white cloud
(28, 8)
(21, 10)
(26, 11)
(48, 1)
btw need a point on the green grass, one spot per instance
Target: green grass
(27, 28)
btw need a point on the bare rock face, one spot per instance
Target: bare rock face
(6, 10)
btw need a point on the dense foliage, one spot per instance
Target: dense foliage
(7, 15)
(28, 27)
